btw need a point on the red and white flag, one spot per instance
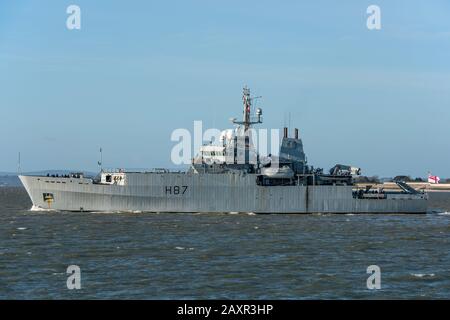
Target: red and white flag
(433, 179)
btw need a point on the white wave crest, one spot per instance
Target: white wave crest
(423, 275)
(183, 248)
(36, 208)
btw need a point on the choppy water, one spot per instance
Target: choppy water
(178, 256)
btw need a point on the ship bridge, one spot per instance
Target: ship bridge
(213, 154)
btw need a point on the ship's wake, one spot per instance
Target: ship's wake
(39, 209)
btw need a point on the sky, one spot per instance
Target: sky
(137, 70)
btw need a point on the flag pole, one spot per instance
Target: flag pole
(100, 163)
(19, 170)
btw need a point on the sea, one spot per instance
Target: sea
(222, 256)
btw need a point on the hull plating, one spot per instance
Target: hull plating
(171, 192)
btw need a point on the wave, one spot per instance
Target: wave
(36, 208)
(423, 275)
(183, 248)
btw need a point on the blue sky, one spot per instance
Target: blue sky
(137, 70)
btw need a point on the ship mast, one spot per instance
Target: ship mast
(247, 103)
(247, 107)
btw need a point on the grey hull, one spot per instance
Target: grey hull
(185, 192)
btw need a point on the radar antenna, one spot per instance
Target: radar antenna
(247, 100)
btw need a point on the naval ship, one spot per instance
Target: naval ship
(224, 177)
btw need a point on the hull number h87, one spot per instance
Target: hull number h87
(175, 190)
